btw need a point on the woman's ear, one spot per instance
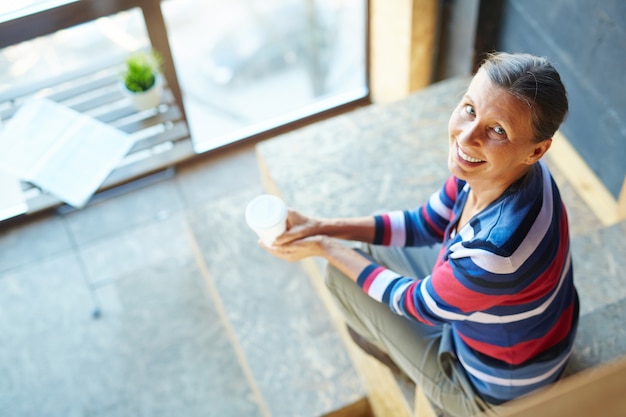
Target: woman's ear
(539, 150)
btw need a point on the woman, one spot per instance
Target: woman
(489, 313)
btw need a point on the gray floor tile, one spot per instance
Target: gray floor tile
(601, 335)
(599, 265)
(139, 251)
(219, 175)
(32, 240)
(181, 354)
(44, 295)
(122, 212)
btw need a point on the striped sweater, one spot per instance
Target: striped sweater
(504, 282)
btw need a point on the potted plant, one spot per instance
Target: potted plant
(142, 79)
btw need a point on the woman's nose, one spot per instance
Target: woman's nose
(468, 133)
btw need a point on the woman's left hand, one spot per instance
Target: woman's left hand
(298, 249)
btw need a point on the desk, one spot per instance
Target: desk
(161, 135)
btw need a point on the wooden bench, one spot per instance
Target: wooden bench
(162, 136)
(394, 156)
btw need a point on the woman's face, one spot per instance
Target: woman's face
(491, 136)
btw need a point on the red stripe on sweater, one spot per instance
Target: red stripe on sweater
(451, 188)
(452, 292)
(523, 351)
(371, 277)
(409, 303)
(430, 222)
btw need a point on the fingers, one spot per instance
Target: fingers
(294, 218)
(295, 250)
(286, 253)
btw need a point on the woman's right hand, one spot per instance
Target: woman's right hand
(299, 226)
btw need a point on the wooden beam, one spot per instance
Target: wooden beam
(19, 27)
(487, 28)
(422, 405)
(423, 34)
(360, 408)
(157, 32)
(585, 181)
(402, 41)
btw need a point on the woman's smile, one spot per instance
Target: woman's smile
(465, 157)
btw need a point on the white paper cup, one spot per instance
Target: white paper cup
(267, 216)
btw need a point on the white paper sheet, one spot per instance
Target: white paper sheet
(11, 197)
(60, 150)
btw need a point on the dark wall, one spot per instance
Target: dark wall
(586, 42)
(457, 31)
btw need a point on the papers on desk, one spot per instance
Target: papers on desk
(60, 150)
(11, 198)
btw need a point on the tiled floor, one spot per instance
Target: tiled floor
(197, 320)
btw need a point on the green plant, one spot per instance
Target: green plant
(142, 68)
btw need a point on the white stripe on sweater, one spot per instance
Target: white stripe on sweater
(380, 284)
(508, 382)
(481, 317)
(506, 265)
(437, 205)
(398, 228)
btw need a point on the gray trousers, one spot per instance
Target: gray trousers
(423, 352)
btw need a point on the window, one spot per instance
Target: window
(245, 66)
(249, 66)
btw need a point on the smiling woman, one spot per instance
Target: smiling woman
(471, 294)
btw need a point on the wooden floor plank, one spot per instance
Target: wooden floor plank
(584, 180)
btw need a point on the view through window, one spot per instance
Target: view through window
(245, 66)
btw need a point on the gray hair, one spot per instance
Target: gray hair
(536, 82)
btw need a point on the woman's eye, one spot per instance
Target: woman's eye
(499, 130)
(469, 109)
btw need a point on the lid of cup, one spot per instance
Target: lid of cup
(265, 211)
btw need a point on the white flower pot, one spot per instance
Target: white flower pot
(148, 99)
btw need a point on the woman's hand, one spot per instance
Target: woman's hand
(302, 239)
(299, 226)
(308, 236)
(345, 259)
(297, 250)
